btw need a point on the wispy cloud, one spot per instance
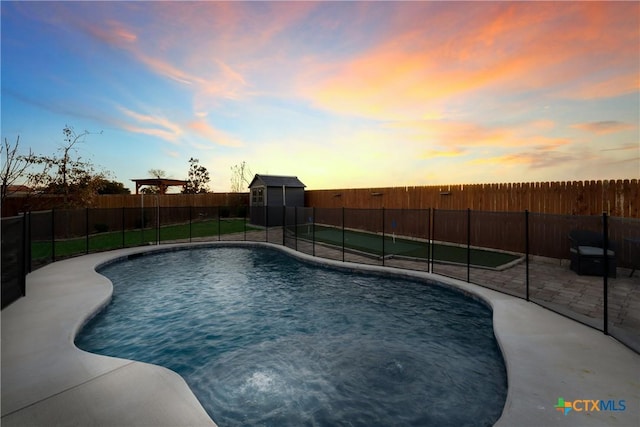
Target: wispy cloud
(215, 136)
(201, 71)
(116, 33)
(172, 154)
(604, 127)
(153, 125)
(616, 85)
(628, 147)
(529, 159)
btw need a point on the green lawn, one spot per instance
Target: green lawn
(355, 240)
(373, 244)
(118, 239)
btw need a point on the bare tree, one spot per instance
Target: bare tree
(14, 166)
(68, 175)
(240, 176)
(154, 189)
(157, 173)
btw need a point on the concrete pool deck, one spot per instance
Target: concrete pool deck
(47, 381)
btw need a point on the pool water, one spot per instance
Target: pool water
(264, 339)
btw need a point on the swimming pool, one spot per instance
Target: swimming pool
(264, 339)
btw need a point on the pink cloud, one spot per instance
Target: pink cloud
(151, 125)
(212, 134)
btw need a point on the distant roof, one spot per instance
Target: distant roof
(277, 181)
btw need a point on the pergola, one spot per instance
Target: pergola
(161, 183)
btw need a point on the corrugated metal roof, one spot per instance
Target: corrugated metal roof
(277, 181)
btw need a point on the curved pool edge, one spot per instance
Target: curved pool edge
(46, 379)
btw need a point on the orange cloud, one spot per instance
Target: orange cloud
(505, 160)
(457, 134)
(441, 140)
(505, 49)
(432, 154)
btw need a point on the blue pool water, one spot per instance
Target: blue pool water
(264, 339)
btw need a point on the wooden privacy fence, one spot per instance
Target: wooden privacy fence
(620, 198)
(172, 200)
(14, 205)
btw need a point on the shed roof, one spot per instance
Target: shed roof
(277, 181)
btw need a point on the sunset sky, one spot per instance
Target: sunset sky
(340, 94)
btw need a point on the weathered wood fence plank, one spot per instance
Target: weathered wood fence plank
(620, 198)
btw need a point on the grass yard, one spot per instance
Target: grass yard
(118, 239)
(373, 244)
(369, 243)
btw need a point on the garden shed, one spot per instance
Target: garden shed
(269, 193)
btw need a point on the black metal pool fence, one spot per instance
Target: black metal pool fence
(532, 250)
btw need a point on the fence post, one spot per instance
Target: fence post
(605, 279)
(190, 221)
(142, 224)
(284, 224)
(383, 236)
(86, 225)
(53, 235)
(526, 251)
(428, 238)
(28, 242)
(468, 245)
(432, 236)
(266, 224)
(244, 223)
(343, 234)
(25, 255)
(219, 223)
(313, 231)
(295, 224)
(123, 227)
